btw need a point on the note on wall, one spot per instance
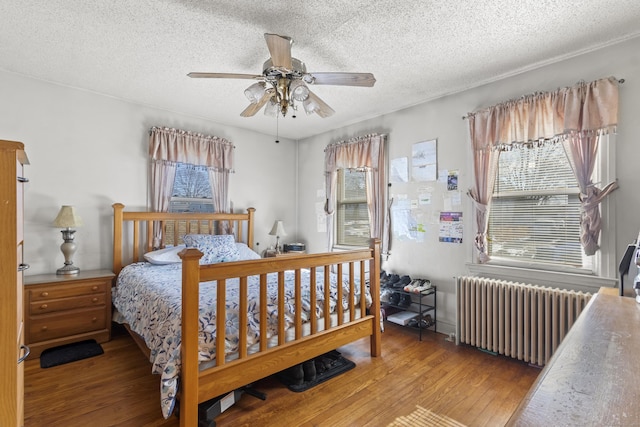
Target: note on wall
(451, 227)
(399, 170)
(424, 161)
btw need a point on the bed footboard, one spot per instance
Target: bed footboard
(201, 385)
(293, 341)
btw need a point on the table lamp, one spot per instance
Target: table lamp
(67, 219)
(278, 230)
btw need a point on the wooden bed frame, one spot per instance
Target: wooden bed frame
(135, 230)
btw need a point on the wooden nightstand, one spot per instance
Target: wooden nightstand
(269, 253)
(62, 309)
(290, 253)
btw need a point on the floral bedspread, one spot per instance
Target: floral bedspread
(148, 298)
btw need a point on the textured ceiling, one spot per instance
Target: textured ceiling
(418, 50)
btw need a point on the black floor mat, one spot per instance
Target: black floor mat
(69, 353)
(315, 371)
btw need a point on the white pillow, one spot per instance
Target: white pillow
(246, 253)
(165, 256)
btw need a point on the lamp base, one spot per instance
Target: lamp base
(68, 269)
(68, 248)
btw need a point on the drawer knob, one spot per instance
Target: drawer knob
(94, 320)
(95, 300)
(95, 288)
(44, 294)
(44, 329)
(44, 306)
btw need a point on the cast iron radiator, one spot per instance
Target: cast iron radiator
(519, 320)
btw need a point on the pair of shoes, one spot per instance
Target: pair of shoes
(405, 301)
(424, 286)
(413, 285)
(418, 285)
(426, 322)
(402, 282)
(394, 299)
(388, 280)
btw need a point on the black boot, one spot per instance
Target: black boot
(309, 369)
(295, 375)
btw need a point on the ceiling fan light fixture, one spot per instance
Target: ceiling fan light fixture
(255, 92)
(298, 90)
(284, 82)
(272, 107)
(310, 106)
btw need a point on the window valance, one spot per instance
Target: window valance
(360, 152)
(174, 145)
(583, 108)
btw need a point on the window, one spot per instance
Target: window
(191, 193)
(352, 212)
(191, 189)
(535, 210)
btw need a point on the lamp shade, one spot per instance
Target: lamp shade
(299, 91)
(67, 218)
(271, 108)
(254, 92)
(278, 229)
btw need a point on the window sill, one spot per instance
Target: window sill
(348, 248)
(555, 279)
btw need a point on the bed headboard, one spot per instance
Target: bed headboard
(133, 232)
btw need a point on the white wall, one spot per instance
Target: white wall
(90, 151)
(442, 119)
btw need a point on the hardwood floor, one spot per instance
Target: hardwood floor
(459, 382)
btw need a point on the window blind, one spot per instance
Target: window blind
(352, 213)
(535, 210)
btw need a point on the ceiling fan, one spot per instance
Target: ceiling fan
(284, 82)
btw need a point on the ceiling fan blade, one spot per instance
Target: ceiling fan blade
(280, 50)
(323, 110)
(225, 76)
(342, 79)
(252, 109)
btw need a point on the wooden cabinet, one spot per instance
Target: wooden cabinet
(61, 309)
(12, 348)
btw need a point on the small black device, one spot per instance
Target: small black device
(625, 263)
(294, 247)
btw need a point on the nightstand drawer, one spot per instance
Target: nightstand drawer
(61, 309)
(50, 326)
(68, 290)
(48, 306)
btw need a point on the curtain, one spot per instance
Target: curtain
(576, 115)
(485, 164)
(219, 180)
(581, 150)
(168, 146)
(366, 152)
